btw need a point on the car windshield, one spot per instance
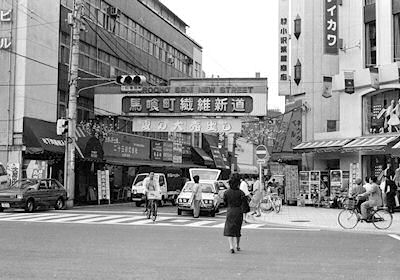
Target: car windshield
(205, 174)
(205, 188)
(139, 179)
(22, 184)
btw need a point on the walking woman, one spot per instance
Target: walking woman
(233, 198)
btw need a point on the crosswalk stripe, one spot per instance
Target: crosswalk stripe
(220, 225)
(70, 219)
(98, 219)
(200, 223)
(395, 236)
(22, 217)
(142, 222)
(117, 221)
(252, 226)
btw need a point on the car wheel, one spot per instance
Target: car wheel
(30, 205)
(212, 213)
(179, 212)
(59, 204)
(138, 203)
(173, 202)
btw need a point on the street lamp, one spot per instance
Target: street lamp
(297, 27)
(297, 72)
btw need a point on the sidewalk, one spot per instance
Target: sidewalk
(321, 218)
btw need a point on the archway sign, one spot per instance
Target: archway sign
(262, 157)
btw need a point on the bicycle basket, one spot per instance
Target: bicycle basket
(154, 195)
(350, 204)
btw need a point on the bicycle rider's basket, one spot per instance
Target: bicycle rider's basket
(350, 204)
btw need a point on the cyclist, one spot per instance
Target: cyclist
(374, 198)
(355, 190)
(149, 185)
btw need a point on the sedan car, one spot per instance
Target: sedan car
(210, 191)
(30, 194)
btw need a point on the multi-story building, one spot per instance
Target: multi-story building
(344, 64)
(133, 37)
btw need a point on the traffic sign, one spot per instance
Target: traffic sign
(261, 161)
(261, 152)
(134, 88)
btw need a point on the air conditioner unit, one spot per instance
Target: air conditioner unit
(170, 59)
(114, 12)
(189, 60)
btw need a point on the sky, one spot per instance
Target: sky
(239, 38)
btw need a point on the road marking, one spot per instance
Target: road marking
(395, 236)
(133, 220)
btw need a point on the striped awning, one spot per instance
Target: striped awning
(377, 141)
(397, 146)
(337, 143)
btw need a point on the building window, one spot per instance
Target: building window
(331, 125)
(370, 43)
(382, 112)
(396, 37)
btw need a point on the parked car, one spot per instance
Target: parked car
(168, 193)
(30, 194)
(210, 191)
(221, 186)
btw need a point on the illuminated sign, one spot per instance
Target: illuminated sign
(155, 124)
(188, 89)
(189, 105)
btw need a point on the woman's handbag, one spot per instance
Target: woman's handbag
(245, 204)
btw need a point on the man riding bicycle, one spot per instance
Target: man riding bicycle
(150, 186)
(374, 198)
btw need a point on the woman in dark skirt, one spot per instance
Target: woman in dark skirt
(233, 198)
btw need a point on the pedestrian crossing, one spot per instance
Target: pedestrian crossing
(134, 219)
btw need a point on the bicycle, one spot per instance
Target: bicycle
(349, 217)
(271, 202)
(151, 207)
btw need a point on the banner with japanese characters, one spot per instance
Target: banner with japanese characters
(283, 48)
(331, 27)
(190, 105)
(205, 125)
(177, 153)
(126, 146)
(5, 27)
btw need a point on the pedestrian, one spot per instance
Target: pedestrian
(196, 196)
(390, 191)
(257, 196)
(244, 187)
(387, 174)
(233, 199)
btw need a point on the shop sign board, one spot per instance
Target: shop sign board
(167, 151)
(126, 146)
(179, 124)
(336, 177)
(156, 150)
(186, 104)
(177, 153)
(5, 22)
(283, 54)
(331, 27)
(103, 185)
(36, 169)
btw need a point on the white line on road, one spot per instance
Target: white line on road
(200, 223)
(97, 219)
(72, 218)
(395, 236)
(22, 217)
(117, 221)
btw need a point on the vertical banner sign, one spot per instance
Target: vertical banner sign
(349, 82)
(5, 24)
(177, 153)
(331, 27)
(284, 83)
(103, 185)
(374, 72)
(327, 87)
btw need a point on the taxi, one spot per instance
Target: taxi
(210, 193)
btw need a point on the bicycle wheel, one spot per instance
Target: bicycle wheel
(347, 219)
(265, 206)
(149, 209)
(154, 212)
(382, 219)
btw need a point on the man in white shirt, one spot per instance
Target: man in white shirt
(244, 187)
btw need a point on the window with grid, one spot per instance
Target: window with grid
(370, 43)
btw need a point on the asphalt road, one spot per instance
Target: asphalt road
(36, 250)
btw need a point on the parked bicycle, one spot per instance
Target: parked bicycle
(271, 202)
(349, 217)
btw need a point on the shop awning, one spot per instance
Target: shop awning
(324, 145)
(370, 142)
(91, 148)
(200, 153)
(397, 146)
(212, 143)
(247, 169)
(40, 136)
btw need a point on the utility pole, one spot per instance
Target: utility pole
(72, 103)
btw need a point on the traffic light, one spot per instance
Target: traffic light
(62, 126)
(130, 80)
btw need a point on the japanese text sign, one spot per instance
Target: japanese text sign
(283, 40)
(126, 146)
(189, 105)
(331, 27)
(5, 20)
(186, 125)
